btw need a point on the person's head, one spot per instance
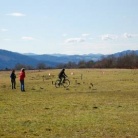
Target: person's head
(13, 71)
(23, 69)
(63, 69)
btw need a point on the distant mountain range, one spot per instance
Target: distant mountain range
(9, 59)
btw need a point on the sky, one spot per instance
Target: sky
(68, 26)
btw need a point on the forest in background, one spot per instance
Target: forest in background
(128, 61)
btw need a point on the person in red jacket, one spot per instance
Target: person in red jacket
(21, 77)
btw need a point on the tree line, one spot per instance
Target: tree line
(128, 61)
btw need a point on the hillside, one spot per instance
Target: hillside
(66, 58)
(9, 59)
(118, 54)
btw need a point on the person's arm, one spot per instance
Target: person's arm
(65, 74)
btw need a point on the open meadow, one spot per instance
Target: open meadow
(99, 103)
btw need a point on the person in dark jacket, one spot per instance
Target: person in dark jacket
(62, 75)
(13, 79)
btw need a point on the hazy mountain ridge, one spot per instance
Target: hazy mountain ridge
(9, 59)
(65, 58)
(118, 54)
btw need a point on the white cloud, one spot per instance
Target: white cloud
(85, 35)
(27, 38)
(113, 37)
(108, 37)
(3, 30)
(126, 35)
(75, 40)
(17, 14)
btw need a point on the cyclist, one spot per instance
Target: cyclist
(62, 75)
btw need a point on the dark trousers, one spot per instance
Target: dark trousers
(13, 82)
(62, 78)
(22, 85)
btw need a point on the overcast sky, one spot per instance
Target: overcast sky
(68, 26)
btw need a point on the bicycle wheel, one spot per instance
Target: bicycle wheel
(57, 83)
(66, 83)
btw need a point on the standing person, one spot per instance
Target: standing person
(13, 79)
(21, 77)
(62, 75)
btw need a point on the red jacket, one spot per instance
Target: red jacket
(22, 75)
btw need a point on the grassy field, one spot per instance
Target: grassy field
(107, 109)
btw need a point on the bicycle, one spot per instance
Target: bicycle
(59, 83)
